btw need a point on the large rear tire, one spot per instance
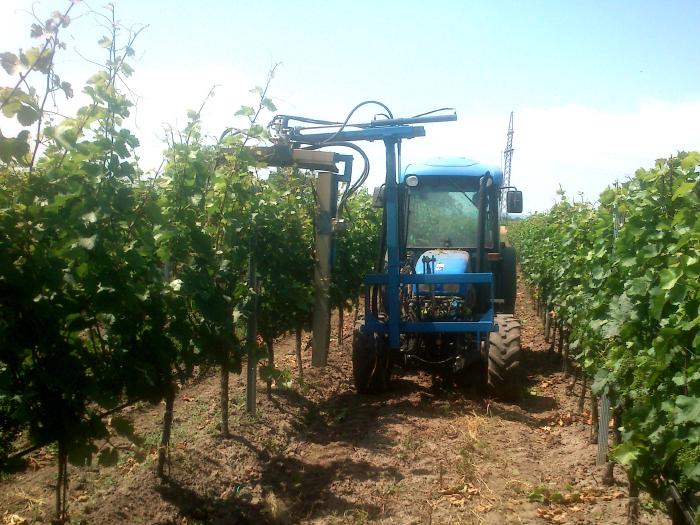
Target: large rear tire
(370, 362)
(505, 374)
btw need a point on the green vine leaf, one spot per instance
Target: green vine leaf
(9, 62)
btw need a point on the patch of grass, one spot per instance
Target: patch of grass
(651, 505)
(391, 489)
(103, 482)
(546, 494)
(238, 400)
(312, 416)
(303, 386)
(272, 446)
(357, 516)
(334, 414)
(152, 439)
(34, 510)
(465, 464)
(409, 447)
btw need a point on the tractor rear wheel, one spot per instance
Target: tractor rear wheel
(370, 362)
(504, 359)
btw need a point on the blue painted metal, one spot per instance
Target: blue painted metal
(469, 278)
(392, 243)
(445, 262)
(453, 166)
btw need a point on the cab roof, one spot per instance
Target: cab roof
(455, 167)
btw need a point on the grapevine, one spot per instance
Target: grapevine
(623, 275)
(115, 287)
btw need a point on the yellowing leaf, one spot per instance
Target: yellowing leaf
(684, 189)
(87, 242)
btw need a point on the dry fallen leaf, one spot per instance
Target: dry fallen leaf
(554, 515)
(13, 519)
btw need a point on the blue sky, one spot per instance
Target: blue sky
(598, 88)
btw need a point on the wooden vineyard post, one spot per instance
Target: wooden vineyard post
(594, 420)
(564, 345)
(560, 345)
(632, 502)
(270, 344)
(251, 337)
(603, 422)
(297, 351)
(547, 326)
(322, 269)
(341, 312)
(164, 448)
(553, 340)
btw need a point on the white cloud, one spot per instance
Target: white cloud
(14, 23)
(166, 94)
(583, 149)
(586, 149)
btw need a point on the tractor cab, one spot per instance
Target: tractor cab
(456, 283)
(449, 211)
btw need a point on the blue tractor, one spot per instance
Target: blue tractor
(456, 281)
(442, 297)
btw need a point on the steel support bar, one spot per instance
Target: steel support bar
(391, 196)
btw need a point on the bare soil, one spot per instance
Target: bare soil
(317, 453)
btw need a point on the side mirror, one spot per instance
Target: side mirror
(378, 197)
(514, 201)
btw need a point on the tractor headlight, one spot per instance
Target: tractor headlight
(412, 181)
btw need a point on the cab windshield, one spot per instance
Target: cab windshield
(442, 218)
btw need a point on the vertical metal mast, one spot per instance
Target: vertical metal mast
(507, 157)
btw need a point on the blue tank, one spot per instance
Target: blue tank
(446, 262)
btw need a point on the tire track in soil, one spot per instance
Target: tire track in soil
(319, 454)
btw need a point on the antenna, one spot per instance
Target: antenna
(507, 156)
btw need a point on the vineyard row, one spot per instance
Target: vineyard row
(621, 280)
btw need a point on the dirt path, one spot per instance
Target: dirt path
(317, 453)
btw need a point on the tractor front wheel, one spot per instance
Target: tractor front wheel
(504, 359)
(370, 362)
